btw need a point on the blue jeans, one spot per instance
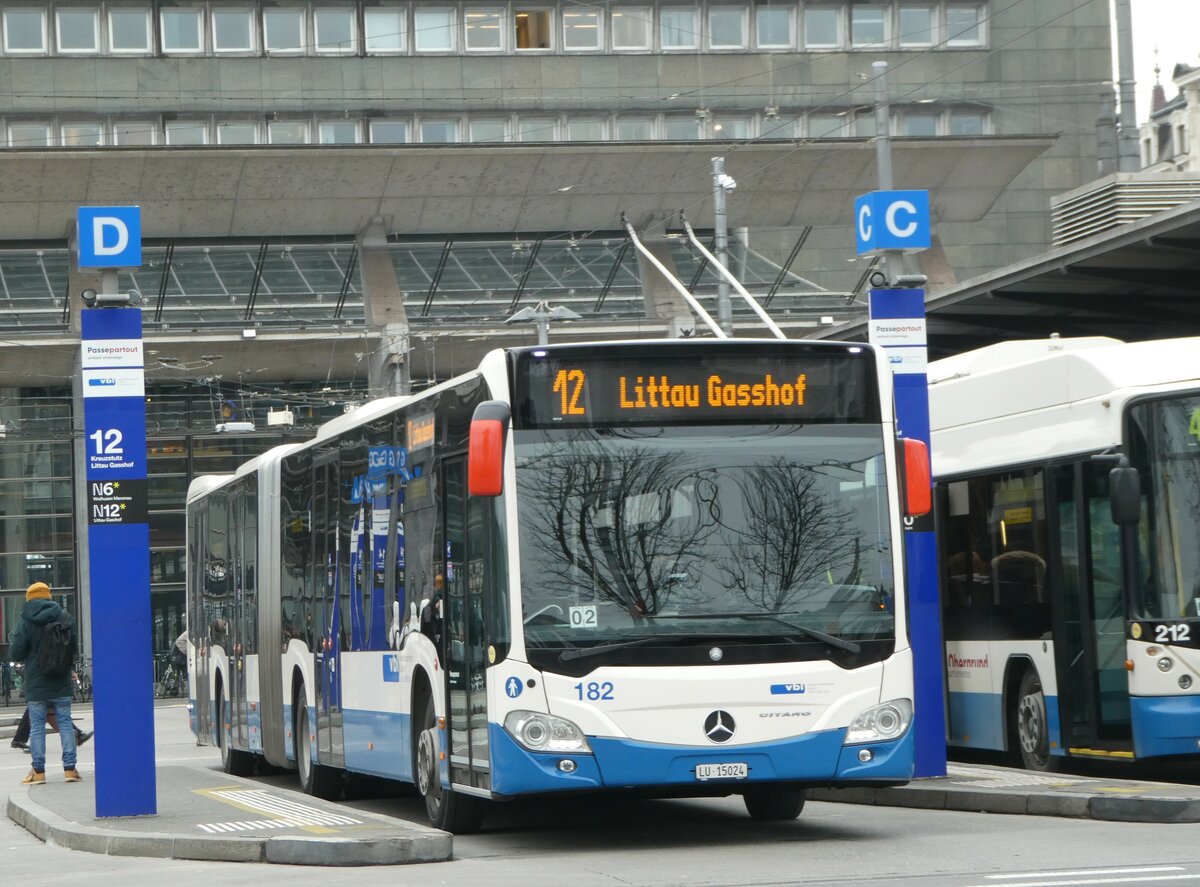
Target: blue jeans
(37, 732)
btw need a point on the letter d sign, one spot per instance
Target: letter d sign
(109, 236)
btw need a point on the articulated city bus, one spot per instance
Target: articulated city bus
(669, 567)
(1070, 585)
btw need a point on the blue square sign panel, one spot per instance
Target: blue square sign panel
(110, 236)
(892, 220)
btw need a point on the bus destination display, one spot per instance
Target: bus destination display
(564, 390)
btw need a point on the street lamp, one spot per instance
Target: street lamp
(542, 314)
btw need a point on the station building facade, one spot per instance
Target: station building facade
(259, 311)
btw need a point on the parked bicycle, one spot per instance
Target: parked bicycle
(82, 681)
(10, 682)
(172, 679)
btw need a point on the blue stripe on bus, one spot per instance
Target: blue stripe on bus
(621, 763)
(1165, 725)
(977, 721)
(390, 734)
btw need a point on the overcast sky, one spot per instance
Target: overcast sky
(1174, 27)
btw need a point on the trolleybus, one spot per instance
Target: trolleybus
(665, 567)
(1070, 582)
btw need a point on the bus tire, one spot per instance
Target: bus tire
(1032, 727)
(774, 803)
(316, 779)
(446, 809)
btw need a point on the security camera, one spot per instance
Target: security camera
(93, 299)
(910, 281)
(878, 280)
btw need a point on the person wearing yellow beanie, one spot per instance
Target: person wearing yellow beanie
(47, 688)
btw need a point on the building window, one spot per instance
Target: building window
(581, 29)
(634, 129)
(24, 30)
(439, 131)
(631, 28)
(1181, 144)
(918, 123)
(389, 132)
(731, 128)
(826, 126)
(433, 30)
(483, 30)
(777, 126)
(868, 26)
(181, 30)
(536, 129)
(333, 30)
(135, 132)
(287, 133)
(129, 30)
(487, 130)
(338, 132)
(232, 30)
(585, 129)
(28, 135)
(384, 28)
(78, 30)
(677, 28)
(917, 25)
(82, 135)
(532, 29)
(237, 133)
(773, 27)
(283, 30)
(967, 123)
(864, 125)
(187, 132)
(822, 27)
(964, 24)
(727, 27)
(681, 129)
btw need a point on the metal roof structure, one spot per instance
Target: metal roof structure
(1138, 282)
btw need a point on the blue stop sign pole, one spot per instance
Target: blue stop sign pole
(118, 537)
(889, 223)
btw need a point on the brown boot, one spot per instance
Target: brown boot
(35, 777)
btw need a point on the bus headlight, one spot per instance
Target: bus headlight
(542, 732)
(880, 723)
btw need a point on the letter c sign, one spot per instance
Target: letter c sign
(109, 236)
(892, 221)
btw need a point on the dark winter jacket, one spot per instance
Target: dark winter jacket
(39, 687)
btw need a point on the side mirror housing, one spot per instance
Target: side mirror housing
(485, 451)
(918, 480)
(1125, 495)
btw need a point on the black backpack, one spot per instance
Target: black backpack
(56, 655)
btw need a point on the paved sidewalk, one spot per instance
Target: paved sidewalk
(206, 814)
(986, 789)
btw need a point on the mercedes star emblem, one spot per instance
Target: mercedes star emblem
(716, 654)
(719, 726)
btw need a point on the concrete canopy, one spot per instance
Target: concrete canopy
(256, 192)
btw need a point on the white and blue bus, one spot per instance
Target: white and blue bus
(1070, 584)
(668, 567)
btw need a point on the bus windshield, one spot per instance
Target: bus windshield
(750, 535)
(1165, 448)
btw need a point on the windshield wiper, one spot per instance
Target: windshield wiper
(586, 652)
(816, 634)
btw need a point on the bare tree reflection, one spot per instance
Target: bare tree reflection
(794, 536)
(628, 526)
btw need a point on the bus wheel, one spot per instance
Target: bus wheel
(1033, 732)
(446, 808)
(774, 802)
(316, 780)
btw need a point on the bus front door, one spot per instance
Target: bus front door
(466, 644)
(1089, 629)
